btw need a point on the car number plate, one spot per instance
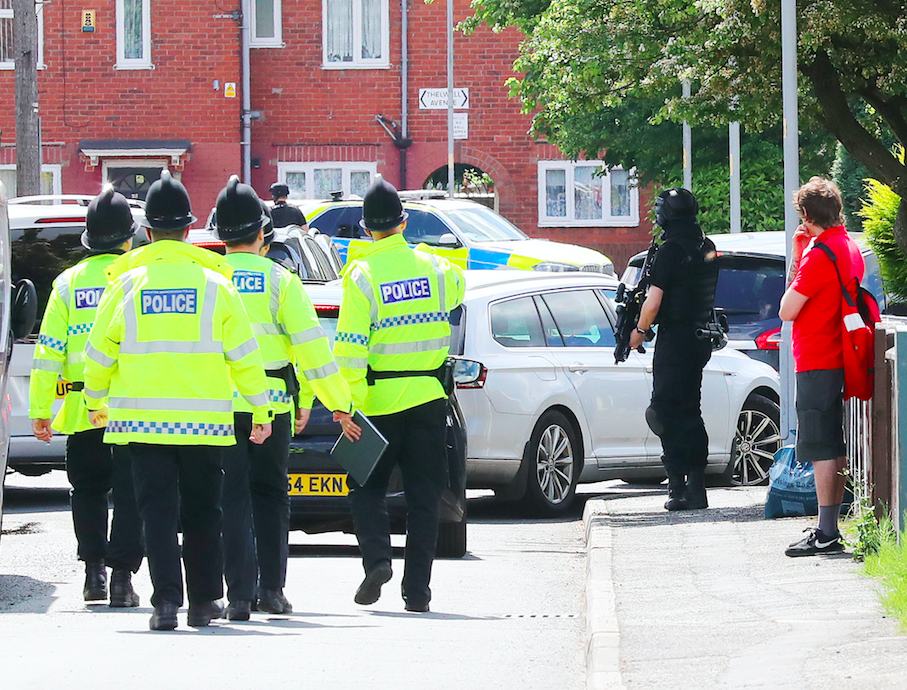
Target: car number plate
(317, 485)
(63, 387)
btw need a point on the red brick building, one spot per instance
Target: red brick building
(160, 83)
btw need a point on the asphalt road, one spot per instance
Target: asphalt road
(509, 614)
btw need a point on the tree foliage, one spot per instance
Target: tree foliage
(879, 211)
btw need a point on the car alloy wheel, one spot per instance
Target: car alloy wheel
(758, 438)
(551, 462)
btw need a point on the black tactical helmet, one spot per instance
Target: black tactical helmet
(167, 205)
(381, 207)
(267, 223)
(238, 212)
(675, 203)
(109, 222)
(278, 189)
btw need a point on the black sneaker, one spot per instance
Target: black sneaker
(815, 542)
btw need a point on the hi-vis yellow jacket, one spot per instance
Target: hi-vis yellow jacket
(169, 333)
(287, 331)
(67, 320)
(394, 316)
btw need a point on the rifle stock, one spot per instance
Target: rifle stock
(629, 304)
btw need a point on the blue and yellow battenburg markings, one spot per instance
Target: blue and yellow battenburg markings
(176, 301)
(88, 298)
(249, 281)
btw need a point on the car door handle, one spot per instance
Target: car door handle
(578, 368)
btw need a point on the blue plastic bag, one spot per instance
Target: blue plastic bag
(791, 486)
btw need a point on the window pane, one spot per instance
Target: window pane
(516, 323)
(6, 38)
(556, 193)
(47, 183)
(133, 31)
(264, 18)
(371, 29)
(327, 180)
(620, 193)
(296, 183)
(359, 182)
(581, 318)
(422, 226)
(340, 30)
(587, 193)
(552, 334)
(8, 177)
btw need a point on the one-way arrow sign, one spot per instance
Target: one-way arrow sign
(436, 99)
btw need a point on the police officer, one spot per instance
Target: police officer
(93, 468)
(284, 213)
(392, 336)
(287, 331)
(680, 300)
(169, 334)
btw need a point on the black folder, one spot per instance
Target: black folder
(359, 458)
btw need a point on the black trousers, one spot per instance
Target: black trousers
(256, 508)
(676, 396)
(96, 469)
(417, 443)
(181, 485)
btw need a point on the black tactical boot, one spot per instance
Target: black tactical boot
(122, 595)
(676, 492)
(695, 491)
(95, 581)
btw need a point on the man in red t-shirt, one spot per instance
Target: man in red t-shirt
(813, 302)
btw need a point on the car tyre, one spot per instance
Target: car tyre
(757, 439)
(552, 468)
(451, 539)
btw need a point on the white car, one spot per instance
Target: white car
(546, 406)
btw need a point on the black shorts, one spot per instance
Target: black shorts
(820, 415)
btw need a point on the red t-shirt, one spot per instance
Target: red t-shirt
(817, 328)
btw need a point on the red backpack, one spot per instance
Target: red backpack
(860, 312)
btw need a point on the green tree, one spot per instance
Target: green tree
(603, 76)
(879, 211)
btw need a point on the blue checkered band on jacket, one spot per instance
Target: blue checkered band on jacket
(52, 343)
(182, 428)
(410, 319)
(279, 396)
(80, 328)
(354, 338)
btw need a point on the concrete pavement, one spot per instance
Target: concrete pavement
(707, 599)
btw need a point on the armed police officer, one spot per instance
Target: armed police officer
(285, 213)
(93, 467)
(287, 331)
(681, 299)
(393, 335)
(169, 333)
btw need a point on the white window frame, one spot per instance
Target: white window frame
(55, 170)
(569, 221)
(275, 41)
(39, 10)
(144, 62)
(309, 169)
(357, 62)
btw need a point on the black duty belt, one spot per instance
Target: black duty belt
(444, 374)
(77, 386)
(288, 375)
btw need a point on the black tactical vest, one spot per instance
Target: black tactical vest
(691, 295)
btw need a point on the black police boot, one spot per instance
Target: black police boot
(676, 492)
(202, 614)
(122, 595)
(273, 601)
(695, 491)
(164, 617)
(239, 610)
(370, 589)
(95, 581)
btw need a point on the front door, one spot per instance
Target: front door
(133, 182)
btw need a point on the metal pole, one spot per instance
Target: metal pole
(791, 184)
(687, 145)
(246, 35)
(734, 136)
(450, 101)
(404, 84)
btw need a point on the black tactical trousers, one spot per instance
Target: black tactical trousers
(180, 486)
(94, 470)
(417, 444)
(676, 394)
(256, 508)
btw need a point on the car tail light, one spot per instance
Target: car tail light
(469, 374)
(210, 244)
(770, 340)
(327, 310)
(50, 221)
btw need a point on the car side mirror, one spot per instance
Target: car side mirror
(448, 239)
(24, 310)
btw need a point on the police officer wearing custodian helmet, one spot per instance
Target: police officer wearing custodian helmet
(680, 299)
(284, 213)
(393, 334)
(170, 333)
(287, 331)
(93, 467)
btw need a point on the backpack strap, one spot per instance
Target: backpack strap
(834, 262)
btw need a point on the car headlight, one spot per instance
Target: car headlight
(555, 267)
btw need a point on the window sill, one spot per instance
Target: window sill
(623, 222)
(353, 65)
(134, 68)
(267, 44)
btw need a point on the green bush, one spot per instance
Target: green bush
(849, 174)
(879, 211)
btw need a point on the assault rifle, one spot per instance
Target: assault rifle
(629, 304)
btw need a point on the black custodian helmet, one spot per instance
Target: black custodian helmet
(238, 213)
(167, 205)
(381, 207)
(278, 189)
(675, 203)
(109, 222)
(267, 222)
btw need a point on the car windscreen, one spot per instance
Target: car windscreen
(749, 289)
(480, 224)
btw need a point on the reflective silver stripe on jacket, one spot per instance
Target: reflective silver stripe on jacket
(352, 362)
(95, 395)
(61, 285)
(75, 358)
(278, 364)
(320, 372)
(241, 351)
(172, 404)
(257, 400)
(410, 348)
(362, 281)
(307, 336)
(48, 365)
(265, 329)
(442, 283)
(95, 355)
(274, 278)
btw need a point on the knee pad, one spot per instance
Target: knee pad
(655, 424)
